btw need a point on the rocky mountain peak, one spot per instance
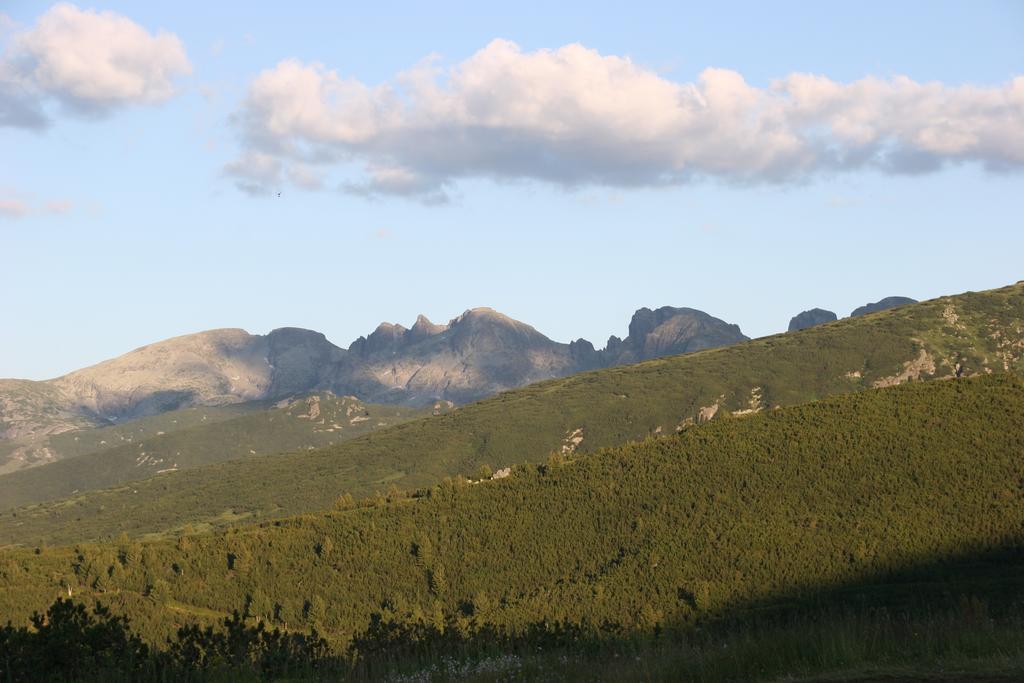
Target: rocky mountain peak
(388, 338)
(483, 314)
(886, 303)
(667, 330)
(294, 335)
(423, 328)
(479, 353)
(810, 318)
(300, 360)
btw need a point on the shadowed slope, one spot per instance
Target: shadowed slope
(872, 492)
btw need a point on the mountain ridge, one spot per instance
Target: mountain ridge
(476, 354)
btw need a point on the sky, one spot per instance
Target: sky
(167, 168)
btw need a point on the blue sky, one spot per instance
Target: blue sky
(125, 224)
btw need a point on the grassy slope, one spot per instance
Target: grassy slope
(196, 437)
(88, 438)
(889, 496)
(981, 331)
(82, 442)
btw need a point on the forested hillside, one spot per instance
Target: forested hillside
(968, 334)
(888, 496)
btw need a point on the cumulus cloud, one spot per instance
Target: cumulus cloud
(256, 173)
(574, 117)
(91, 62)
(20, 106)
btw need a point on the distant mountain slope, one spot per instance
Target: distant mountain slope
(969, 334)
(215, 367)
(130, 453)
(207, 368)
(49, 448)
(815, 316)
(866, 499)
(668, 331)
(478, 354)
(38, 409)
(882, 305)
(483, 352)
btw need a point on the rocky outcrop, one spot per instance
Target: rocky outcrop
(886, 303)
(37, 409)
(479, 353)
(584, 355)
(668, 331)
(912, 369)
(300, 360)
(388, 339)
(423, 329)
(815, 316)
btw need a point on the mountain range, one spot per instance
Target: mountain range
(955, 336)
(820, 316)
(477, 354)
(868, 464)
(703, 502)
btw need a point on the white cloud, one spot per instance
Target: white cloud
(574, 117)
(7, 24)
(304, 176)
(14, 204)
(20, 106)
(398, 180)
(256, 173)
(13, 208)
(58, 206)
(91, 62)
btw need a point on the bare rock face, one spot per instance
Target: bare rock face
(300, 360)
(668, 331)
(479, 353)
(423, 329)
(387, 338)
(208, 368)
(36, 409)
(584, 355)
(218, 366)
(886, 303)
(815, 316)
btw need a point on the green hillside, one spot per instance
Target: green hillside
(967, 334)
(890, 497)
(35, 451)
(196, 437)
(81, 442)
